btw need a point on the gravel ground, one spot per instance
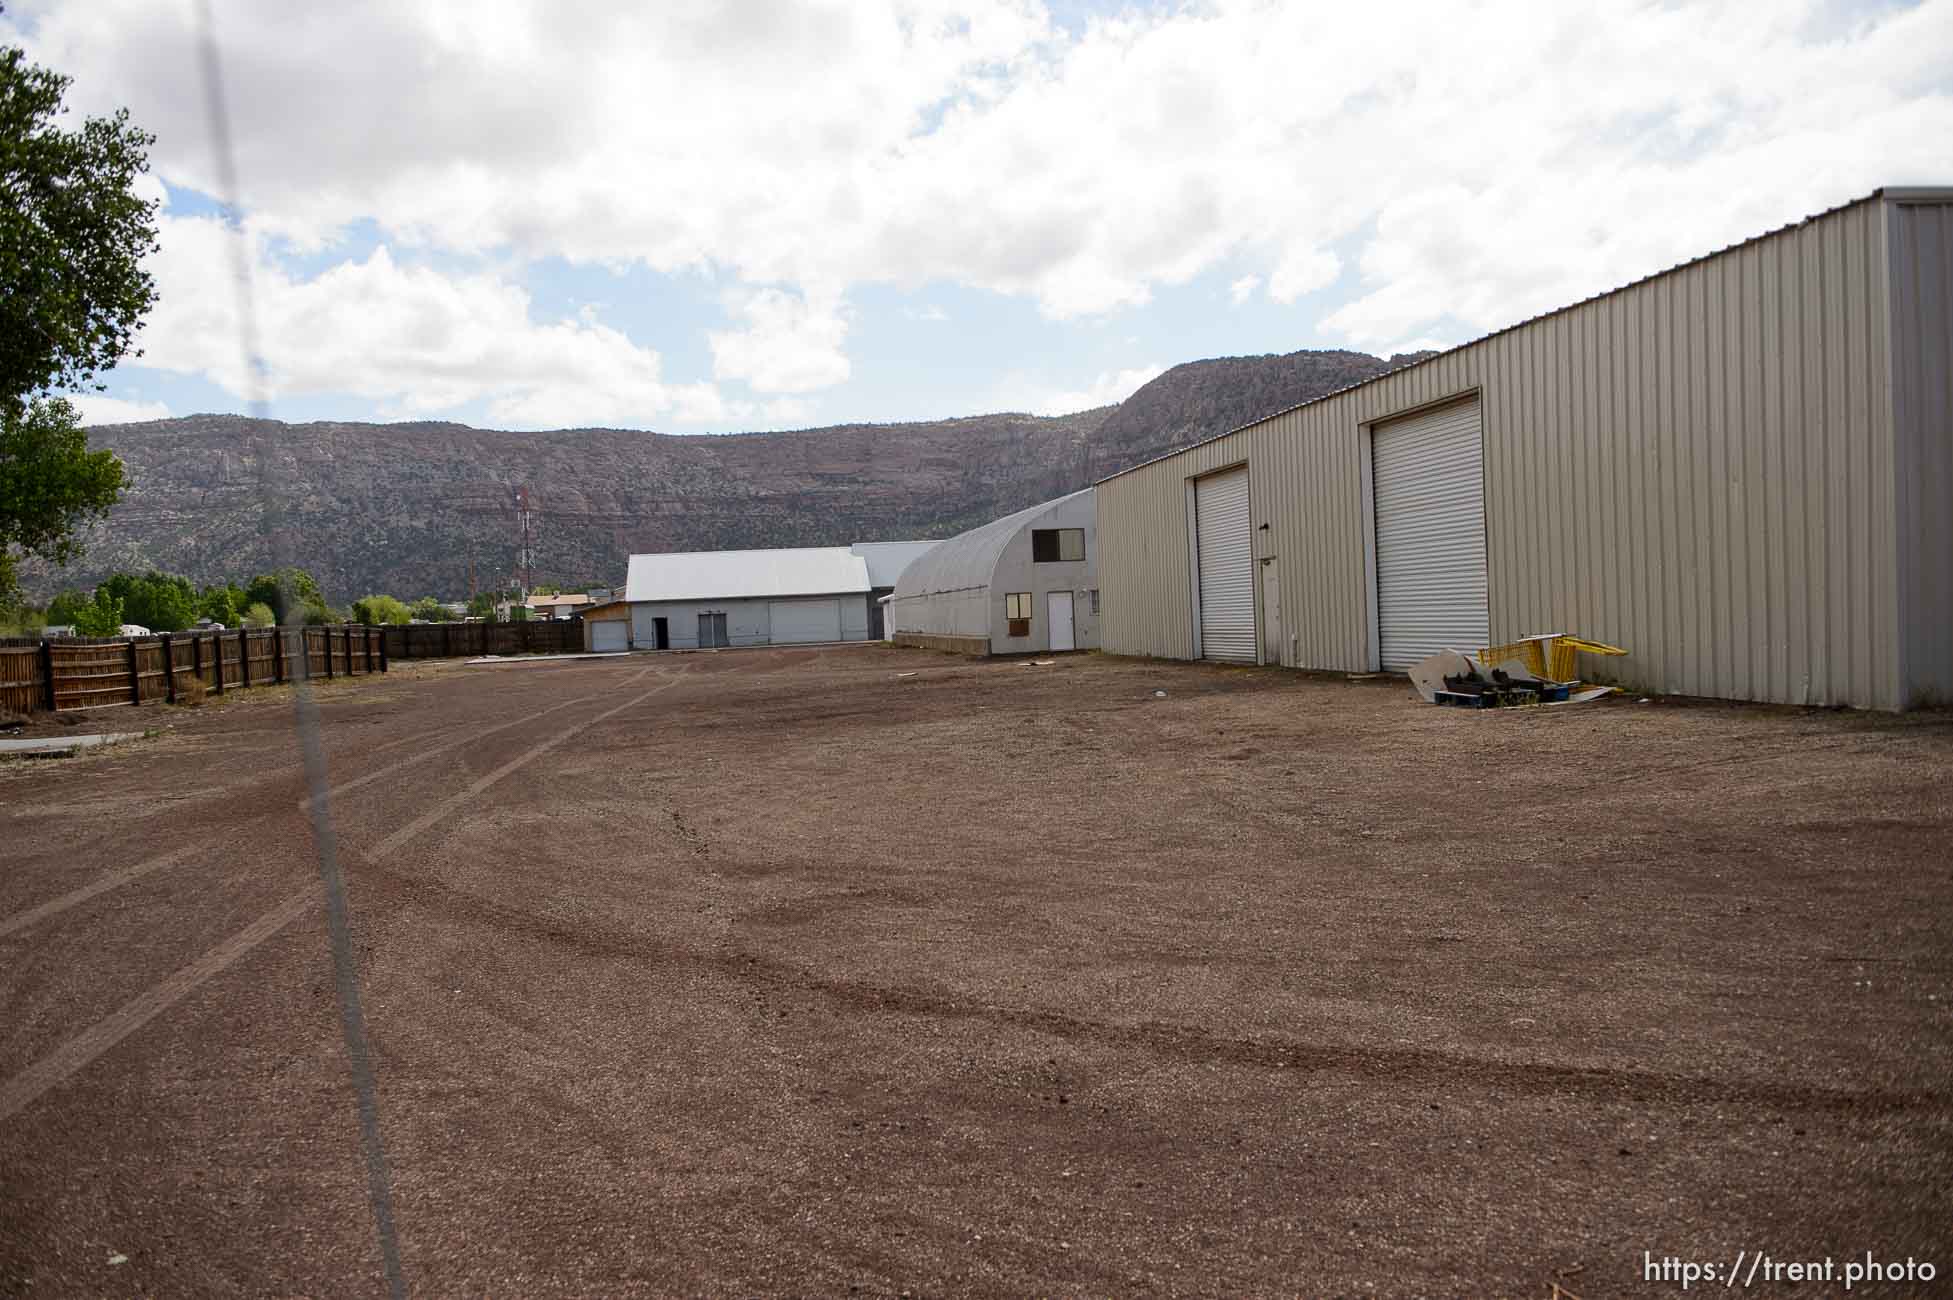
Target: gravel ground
(781, 972)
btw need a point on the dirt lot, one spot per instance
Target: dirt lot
(779, 973)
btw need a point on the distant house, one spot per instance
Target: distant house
(563, 605)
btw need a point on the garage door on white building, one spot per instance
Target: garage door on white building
(1227, 577)
(609, 635)
(1428, 479)
(804, 620)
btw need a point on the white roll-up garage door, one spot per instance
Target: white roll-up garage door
(1428, 476)
(1227, 575)
(804, 620)
(609, 635)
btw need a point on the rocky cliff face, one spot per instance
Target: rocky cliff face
(406, 508)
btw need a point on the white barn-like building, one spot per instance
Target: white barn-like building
(690, 600)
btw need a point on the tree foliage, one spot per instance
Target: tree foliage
(73, 233)
(160, 602)
(101, 616)
(51, 484)
(292, 593)
(62, 610)
(259, 615)
(376, 611)
(429, 610)
(222, 603)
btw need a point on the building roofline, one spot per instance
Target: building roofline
(1894, 193)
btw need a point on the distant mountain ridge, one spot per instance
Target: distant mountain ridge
(404, 508)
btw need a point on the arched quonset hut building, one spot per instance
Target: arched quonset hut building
(1025, 583)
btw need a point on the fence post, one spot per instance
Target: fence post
(217, 659)
(47, 673)
(169, 670)
(328, 641)
(243, 657)
(277, 654)
(383, 650)
(135, 673)
(196, 659)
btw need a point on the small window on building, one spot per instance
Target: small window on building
(1095, 600)
(1054, 545)
(1017, 605)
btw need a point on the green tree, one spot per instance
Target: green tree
(51, 484)
(429, 610)
(378, 610)
(101, 616)
(482, 605)
(73, 234)
(259, 615)
(64, 608)
(222, 604)
(290, 592)
(160, 602)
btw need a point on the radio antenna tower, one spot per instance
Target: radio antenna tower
(525, 541)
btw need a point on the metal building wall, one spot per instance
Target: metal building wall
(1698, 467)
(1921, 234)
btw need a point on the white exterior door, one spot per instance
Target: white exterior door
(1273, 650)
(1057, 605)
(609, 636)
(1428, 480)
(1227, 577)
(804, 620)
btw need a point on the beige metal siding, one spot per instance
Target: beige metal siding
(1922, 384)
(1698, 467)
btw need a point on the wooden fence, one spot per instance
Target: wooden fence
(445, 640)
(95, 673)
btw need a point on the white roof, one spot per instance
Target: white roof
(886, 560)
(733, 575)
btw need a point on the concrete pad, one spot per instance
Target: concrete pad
(34, 745)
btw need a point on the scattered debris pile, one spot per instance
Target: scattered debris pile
(1532, 670)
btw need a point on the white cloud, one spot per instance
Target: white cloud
(791, 343)
(1106, 389)
(1440, 161)
(1243, 289)
(410, 338)
(97, 408)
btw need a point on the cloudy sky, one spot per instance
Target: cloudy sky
(713, 216)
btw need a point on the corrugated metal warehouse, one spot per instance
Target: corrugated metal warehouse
(1740, 469)
(1025, 583)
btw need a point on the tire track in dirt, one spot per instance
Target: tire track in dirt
(91, 1043)
(41, 912)
(1416, 1067)
(78, 1052)
(447, 807)
(100, 885)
